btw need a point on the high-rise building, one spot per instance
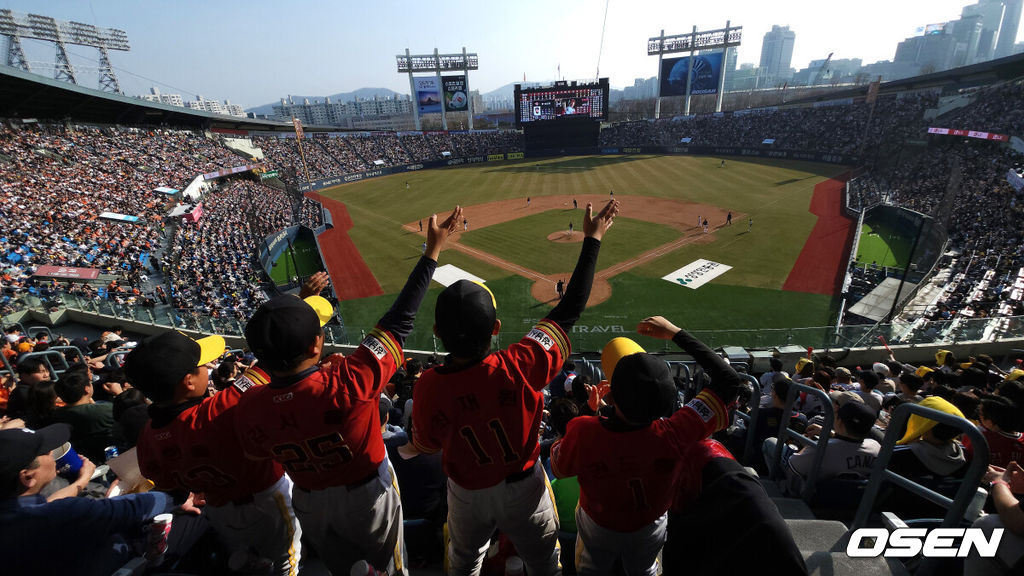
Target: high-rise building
(777, 53)
(1008, 29)
(991, 13)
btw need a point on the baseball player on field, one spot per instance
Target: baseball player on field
(483, 410)
(321, 420)
(189, 445)
(628, 458)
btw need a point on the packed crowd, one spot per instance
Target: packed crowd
(841, 128)
(335, 156)
(981, 214)
(214, 271)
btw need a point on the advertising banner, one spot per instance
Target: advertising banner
(696, 274)
(456, 99)
(675, 74)
(970, 134)
(165, 190)
(68, 272)
(428, 95)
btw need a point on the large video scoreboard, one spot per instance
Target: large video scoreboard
(562, 101)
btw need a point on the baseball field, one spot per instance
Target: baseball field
(778, 237)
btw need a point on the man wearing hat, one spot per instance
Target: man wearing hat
(482, 411)
(929, 448)
(628, 458)
(190, 445)
(848, 452)
(321, 421)
(66, 535)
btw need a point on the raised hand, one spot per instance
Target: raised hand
(437, 232)
(595, 226)
(314, 285)
(657, 327)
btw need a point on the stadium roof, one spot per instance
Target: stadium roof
(27, 95)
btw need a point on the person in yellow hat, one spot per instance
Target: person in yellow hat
(929, 448)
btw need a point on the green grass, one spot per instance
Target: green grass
(507, 240)
(883, 245)
(302, 260)
(776, 194)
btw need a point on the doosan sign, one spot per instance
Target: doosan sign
(697, 273)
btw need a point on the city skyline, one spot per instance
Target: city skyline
(253, 54)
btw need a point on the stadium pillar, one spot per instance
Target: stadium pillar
(412, 91)
(437, 65)
(721, 77)
(661, 54)
(689, 70)
(469, 106)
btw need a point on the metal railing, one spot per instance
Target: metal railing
(945, 332)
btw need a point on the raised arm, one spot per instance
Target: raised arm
(399, 319)
(724, 380)
(574, 301)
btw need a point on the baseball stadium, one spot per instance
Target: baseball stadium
(817, 292)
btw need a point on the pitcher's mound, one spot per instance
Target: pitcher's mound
(563, 236)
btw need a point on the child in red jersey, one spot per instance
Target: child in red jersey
(628, 458)
(482, 410)
(189, 445)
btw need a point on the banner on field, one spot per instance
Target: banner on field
(970, 134)
(428, 95)
(696, 274)
(703, 79)
(165, 190)
(456, 99)
(447, 275)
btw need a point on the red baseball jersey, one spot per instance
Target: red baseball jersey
(325, 428)
(1003, 448)
(627, 478)
(198, 451)
(485, 419)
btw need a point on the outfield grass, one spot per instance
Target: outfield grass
(883, 245)
(505, 241)
(775, 193)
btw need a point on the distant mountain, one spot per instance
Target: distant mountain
(365, 93)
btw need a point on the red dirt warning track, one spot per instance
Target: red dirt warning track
(819, 268)
(350, 275)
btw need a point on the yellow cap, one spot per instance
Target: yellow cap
(940, 357)
(1015, 374)
(210, 348)
(613, 351)
(917, 426)
(320, 305)
(800, 364)
(922, 370)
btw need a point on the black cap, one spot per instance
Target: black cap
(870, 378)
(465, 316)
(642, 388)
(20, 446)
(858, 418)
(158, 363)
(281, 330)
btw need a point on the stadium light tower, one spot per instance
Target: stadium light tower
(723, 38)
(448, 99)
(17, 26)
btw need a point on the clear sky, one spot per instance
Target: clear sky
(255, 52)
